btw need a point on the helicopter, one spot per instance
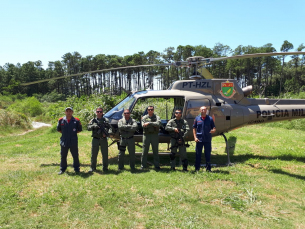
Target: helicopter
(225, 100)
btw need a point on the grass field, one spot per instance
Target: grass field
(263, 189)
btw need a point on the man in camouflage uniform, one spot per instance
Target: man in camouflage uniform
(127, 126)
(151, 124)
(178, 129)
(99, 127)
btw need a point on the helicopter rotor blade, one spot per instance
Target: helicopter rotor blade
(191, 61)
(255, 55)
(96, 71)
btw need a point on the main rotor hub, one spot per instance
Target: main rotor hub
(194, 58)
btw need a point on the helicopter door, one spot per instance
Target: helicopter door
(193, 110)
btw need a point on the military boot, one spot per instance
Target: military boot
(208, 167)
(185, 164)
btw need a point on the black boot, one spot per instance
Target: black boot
(185, 164)
(208, 167)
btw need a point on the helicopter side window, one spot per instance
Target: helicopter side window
(179, 104)
(193, 107)
(163, 107)
(117, 111)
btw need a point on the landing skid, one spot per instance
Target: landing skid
(228, 150)
(113, 141)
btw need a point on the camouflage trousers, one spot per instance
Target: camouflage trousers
(174, 149)
(96, 144)
(130, 145)
(152, 139)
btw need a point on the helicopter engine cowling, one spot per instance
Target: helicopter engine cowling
(247, 90)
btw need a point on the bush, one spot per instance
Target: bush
(29, 106)
(14, 119)
(8, 99)
(50, 97)
(84, 107)
(5, 101)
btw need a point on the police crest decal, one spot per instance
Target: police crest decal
(227, 89)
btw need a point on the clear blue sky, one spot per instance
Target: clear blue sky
(45, 30)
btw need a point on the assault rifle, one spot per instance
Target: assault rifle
(102, 129)
(180, 140)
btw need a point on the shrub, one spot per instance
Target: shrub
(5, 101)
(84, 107)
(29, 106)
(50, 97)
(14, 119)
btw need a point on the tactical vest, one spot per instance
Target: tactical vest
(102, 121)
(126, 133)
(150, 129)
(179, 124)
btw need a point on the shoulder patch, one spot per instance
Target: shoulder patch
(60, 118)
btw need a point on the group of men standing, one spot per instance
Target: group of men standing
(178, 128)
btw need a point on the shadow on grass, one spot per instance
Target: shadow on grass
(279, 171)
(241, 158)
(80, 174)
(220, 160)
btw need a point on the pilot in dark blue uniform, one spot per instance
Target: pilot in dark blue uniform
(203, 128)
(69, 126)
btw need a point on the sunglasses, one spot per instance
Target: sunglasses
(126, 113)
(178, 112)
(150, 109)
(99, 111)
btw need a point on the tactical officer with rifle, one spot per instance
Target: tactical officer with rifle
(100, 128)
(127, 126)
(178, 129)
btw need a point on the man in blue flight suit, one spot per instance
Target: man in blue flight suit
(203, 128)
(69, 126)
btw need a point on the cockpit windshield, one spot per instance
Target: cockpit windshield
(117, 111)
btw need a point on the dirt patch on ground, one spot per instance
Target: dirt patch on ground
(35, 125)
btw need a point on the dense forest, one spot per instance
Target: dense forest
(272, 75)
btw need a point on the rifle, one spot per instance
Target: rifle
(180, 140)
(102, 129)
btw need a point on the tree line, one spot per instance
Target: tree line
(272, 75)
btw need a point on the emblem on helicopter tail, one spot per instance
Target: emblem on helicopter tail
(227, 89)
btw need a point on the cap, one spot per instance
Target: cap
(69, 108)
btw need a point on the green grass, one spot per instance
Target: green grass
(264, 189)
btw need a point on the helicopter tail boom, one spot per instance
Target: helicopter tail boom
(273, 113)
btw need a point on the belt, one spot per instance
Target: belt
(127, 138)
(98, 138)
